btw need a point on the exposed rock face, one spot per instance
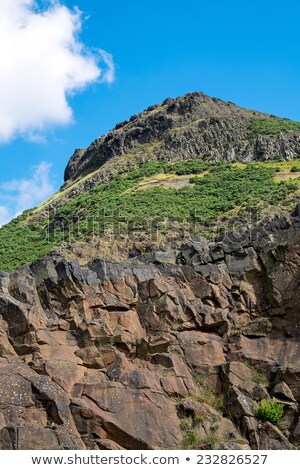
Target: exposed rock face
(193, 126)
(136, 355)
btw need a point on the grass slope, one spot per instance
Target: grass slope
(273, 126)
(214, 193)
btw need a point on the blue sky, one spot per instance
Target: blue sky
(245, 52)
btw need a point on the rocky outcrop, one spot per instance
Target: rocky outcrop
(194, 126)
(158, 352)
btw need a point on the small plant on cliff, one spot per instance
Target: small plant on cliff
(269, 410)
(185, 424)
(295, 169)
(200, 379)
(211, 397)
(190, 440)
(194, 442)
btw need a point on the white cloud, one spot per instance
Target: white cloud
(109, 74)
(42, 61)
(21, 194)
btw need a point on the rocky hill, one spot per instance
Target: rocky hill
(193, 126)
(182, 335)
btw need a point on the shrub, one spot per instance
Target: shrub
(190, 440)
(295, 169)
(269, 410)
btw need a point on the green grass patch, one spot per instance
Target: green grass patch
(192, 441)
(295, 169)
(211, 397)
(273, 126)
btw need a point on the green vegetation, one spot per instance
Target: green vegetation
(211, 397)
(200, 379)
(295, 169)
(123, 206)
(192, 439)
(22, 243)
(207, 394)
(185, 424)
(269, 410)
(273, 126)
(259, 375)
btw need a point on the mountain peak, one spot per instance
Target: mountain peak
(191, 126)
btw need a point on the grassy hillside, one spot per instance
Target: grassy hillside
(209, 194)
(273, 126)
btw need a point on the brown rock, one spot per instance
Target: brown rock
(133, 417)
(282, 391)
(271, 438)
(14, 390)
(90, 357)
(108, 444)
(296, 433)
(202, 349)
(239, 405)
(64, 373)
(109, 356)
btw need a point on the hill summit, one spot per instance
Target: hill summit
(192, 126)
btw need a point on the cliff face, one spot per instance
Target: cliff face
(192, 126)
(147, 353)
